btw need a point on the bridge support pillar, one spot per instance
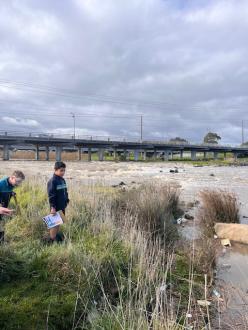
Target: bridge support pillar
(136, 155)
(144, 155)
(58, 153)
(181, 154)
(125, 154)
(101, 154)
(193, 155)
(235, 156)
(37, 153)
(225, 155)
(79, 153)
(166, 155)
(205, 155)
(6, 152)
(47, 153)
(89, 154)
(216, 154)
(115, 154)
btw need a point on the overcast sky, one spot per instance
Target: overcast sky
(183, 64)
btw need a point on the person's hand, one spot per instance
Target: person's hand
(53, 210)
(5, 211)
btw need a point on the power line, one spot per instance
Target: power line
(49, 90)
(65, 92)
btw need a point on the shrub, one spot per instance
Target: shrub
(152, 207)
(217, 206)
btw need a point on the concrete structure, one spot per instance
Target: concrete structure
(216, 154)
(193, 154)
(136, 155)
(47, 153)
(79, 153)
(6, 152)
(101, 154)
(166, 155)
(48, 143)
(58, 153)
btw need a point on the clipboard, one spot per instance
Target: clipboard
(54, 220)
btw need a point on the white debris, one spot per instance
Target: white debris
(203, 303)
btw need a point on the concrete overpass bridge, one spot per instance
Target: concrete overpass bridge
(47, 142)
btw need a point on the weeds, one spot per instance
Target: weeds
(217, 206)
(115, 270)
(152, 208)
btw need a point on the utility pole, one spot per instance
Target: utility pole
(74, 124)
(243, 133)
(141, 128)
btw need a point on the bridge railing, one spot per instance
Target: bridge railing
(68, 136)
(48, 136)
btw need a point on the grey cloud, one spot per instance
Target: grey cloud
(192, 59)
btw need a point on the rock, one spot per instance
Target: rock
(161, 171)
(233, 231)
(122, 183)
(225, 242)
(245, 217)
(188, 217)
(174, 171)
(212, 174)
(226, 266)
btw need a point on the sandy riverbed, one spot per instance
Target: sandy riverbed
(191, 179)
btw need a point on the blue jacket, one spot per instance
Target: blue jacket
(6, 191)
(57, 193)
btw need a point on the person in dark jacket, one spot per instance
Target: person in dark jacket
(58, 195)
(7, 186)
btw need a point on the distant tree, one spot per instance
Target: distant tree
(178, 140)
(211, 137)
(245, 144)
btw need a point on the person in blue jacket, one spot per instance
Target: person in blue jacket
(57, 195)
(7, 186)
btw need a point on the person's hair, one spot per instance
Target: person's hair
(59, 165)
(19, 175)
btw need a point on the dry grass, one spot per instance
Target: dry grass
(152, 208)
(112, 273)
(217, 206)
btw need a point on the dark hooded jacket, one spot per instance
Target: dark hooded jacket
(57, 193)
